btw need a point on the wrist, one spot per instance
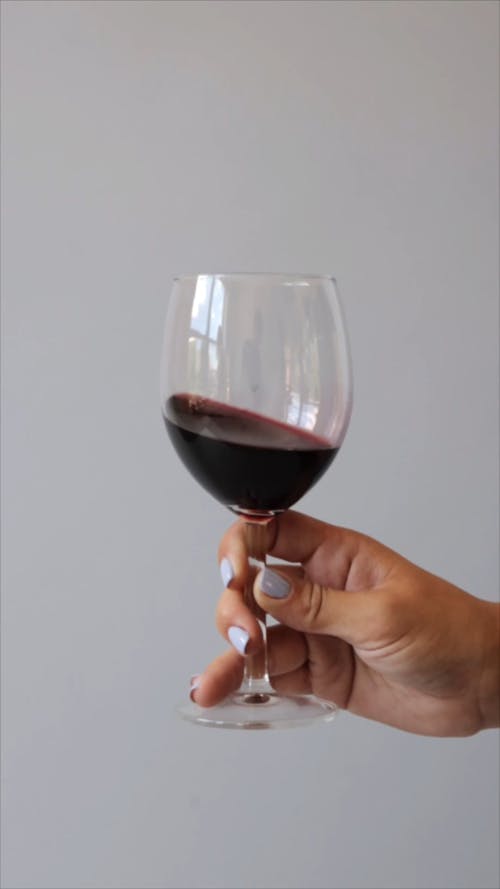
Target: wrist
(489, 677)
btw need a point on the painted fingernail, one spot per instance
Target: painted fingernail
(238, 638)
(194, 684)
(226, 571)
(274, 585)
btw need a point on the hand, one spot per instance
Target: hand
(361, 626)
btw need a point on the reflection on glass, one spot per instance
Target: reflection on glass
(201, 301)
(216, 308)
(205, 341)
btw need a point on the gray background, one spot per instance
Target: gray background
(145, 138)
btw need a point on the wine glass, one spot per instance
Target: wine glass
(256, 395)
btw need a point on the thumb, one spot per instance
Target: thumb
(295, 600)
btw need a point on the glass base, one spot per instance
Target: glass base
(261, 711)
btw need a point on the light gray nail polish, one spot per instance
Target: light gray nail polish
(226, 572)
(238, 638)
(274, 585)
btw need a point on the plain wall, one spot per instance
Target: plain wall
(146, 138)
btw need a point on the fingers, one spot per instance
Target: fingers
(287, 654)
(329, 552)
(298, 536)
(296, 683)
(286, 650)
(290, 596)
(297, 665)
(237, 624)
(293, 537)
(232, 556)
(220, 678)
(331, 557)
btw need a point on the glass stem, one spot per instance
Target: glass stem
(256, 675)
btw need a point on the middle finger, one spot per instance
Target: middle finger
(287, 650)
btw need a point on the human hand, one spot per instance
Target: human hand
(363, 627)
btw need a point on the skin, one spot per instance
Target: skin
(365, 628)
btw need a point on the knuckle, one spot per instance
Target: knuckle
(224, 614)
(313, 601)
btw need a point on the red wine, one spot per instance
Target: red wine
(246, 461)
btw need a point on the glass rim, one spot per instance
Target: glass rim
(285, 276)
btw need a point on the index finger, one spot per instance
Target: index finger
(293, 537)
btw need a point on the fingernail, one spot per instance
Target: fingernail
(226, 572)
(194, 684)
(238, 638)
(274, 585)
